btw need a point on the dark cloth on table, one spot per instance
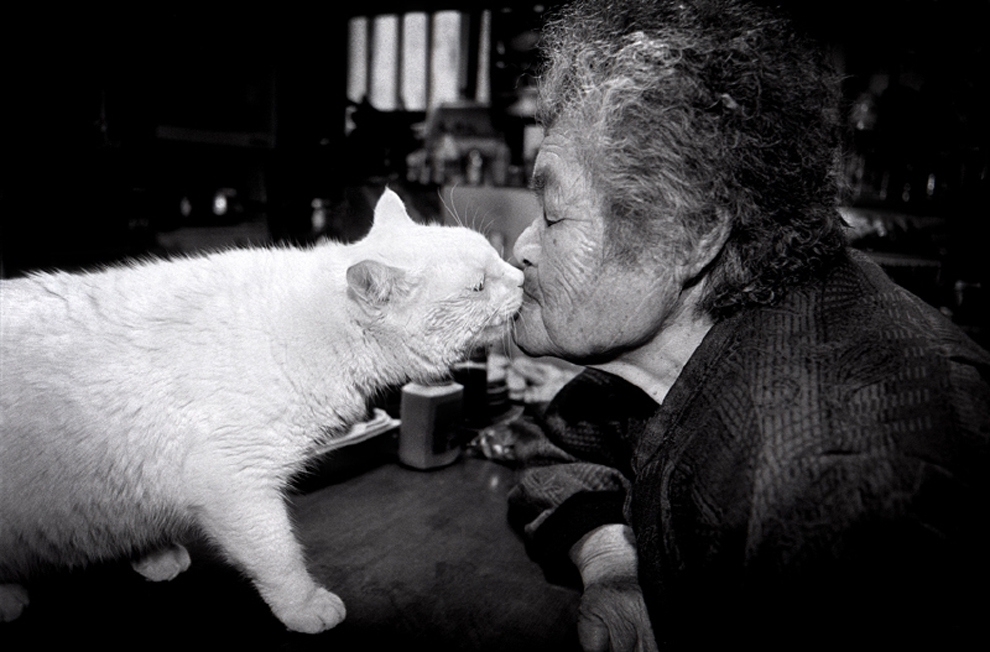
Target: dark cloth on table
(818, 474)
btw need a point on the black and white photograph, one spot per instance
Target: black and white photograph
(564, 326)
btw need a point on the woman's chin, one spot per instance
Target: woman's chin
(530, 336)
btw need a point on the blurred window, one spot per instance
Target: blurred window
(416, 61)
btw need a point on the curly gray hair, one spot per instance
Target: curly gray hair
(691, 113)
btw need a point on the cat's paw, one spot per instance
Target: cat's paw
(13, 599)
(323, 610)
(163, 565)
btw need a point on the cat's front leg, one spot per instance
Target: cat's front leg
(163, 565)
(253, 528)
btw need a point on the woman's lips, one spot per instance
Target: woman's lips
(527, 289)
(529, 302)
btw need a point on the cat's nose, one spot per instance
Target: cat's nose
(515, 277)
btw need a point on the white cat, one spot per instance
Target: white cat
(142, 401)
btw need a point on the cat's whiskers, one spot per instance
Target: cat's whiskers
(505, 328)
(509, 337)
(487, 226)
(484, 224)
(465, 221)
(451, 209)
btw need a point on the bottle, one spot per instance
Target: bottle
(472, 374)
(430, 421)
(475, 168)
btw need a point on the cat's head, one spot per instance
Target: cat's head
(430, 293)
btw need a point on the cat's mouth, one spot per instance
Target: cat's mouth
(498, 327)
(501, 323)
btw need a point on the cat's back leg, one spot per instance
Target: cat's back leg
(13, 599)
(164, 564)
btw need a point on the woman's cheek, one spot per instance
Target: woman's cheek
(530, 332)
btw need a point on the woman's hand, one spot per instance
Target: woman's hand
(612, 616)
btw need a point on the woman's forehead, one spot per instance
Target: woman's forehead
(558, 170)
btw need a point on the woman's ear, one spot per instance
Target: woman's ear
(374, 284)
(708, 247)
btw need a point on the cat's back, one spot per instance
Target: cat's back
(45, 302)
(99, 337)
(53, 323)
(46, 320)
(109, 374)
(151, 296)
(138, 288)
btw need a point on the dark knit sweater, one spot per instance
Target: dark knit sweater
(818, 474)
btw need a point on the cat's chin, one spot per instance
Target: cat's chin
(433, 376)
(494, 334)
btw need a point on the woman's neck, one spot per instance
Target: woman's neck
(655, 366)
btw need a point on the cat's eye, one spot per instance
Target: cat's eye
(479, 286)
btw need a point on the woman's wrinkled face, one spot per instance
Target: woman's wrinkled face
(578, 304)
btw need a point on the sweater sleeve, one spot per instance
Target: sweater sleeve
(575, 466)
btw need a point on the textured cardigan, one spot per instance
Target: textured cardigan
(818, 474)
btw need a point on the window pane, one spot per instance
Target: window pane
(384, 63)
(415, 59)
(484, 59)
(415, 74)
(357, 57)
(445, 64)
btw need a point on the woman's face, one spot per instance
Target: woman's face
(578, 304)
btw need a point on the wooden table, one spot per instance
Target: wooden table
(421, 558)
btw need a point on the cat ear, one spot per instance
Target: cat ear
(375, 284)
(390, 212)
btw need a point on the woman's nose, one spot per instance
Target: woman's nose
(526, 250)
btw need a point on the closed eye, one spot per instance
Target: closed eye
(479, 286)
(548, 221)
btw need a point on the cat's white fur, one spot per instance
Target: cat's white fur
(140, 402)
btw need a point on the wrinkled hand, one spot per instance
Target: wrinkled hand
(612, 616)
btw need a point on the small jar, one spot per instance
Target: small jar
(431, 417)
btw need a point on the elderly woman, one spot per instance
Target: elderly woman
(772, 442)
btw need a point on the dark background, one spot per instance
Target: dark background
(95, 101)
